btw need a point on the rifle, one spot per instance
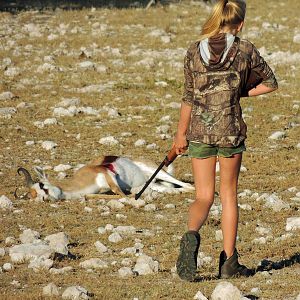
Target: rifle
(166, 162)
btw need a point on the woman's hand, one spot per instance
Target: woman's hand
(180, 143)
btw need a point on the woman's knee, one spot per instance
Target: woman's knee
(204, 200)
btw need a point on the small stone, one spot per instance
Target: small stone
(115, 204)
(150, 207)
(50, 290)
(100, 247)
(109, 227)
(125, 272)
(292, 223)
(62, 168)
(109, 141)
(5, 203)
(146, 265)
(226, 291)
(7, 267)
(10, 240)
(219, 235)
(101, 230)
(29, 236)
(76, 293)
(49, 145)
(115, 237)
(7, 96)
(199, 296)
(140, 142)
(278, 135)
(2, 252)
(94, 263)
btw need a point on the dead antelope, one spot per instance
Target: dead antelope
(119, 175)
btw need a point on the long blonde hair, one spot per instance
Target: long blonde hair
(225, 14)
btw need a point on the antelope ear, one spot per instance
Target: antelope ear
(40, 172)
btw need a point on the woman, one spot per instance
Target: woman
(217, 70)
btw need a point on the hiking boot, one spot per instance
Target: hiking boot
(187, 259)
(230, 267)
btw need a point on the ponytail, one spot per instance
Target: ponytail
(225, 13)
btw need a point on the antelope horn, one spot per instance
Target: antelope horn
(21, 196)
(28, 178)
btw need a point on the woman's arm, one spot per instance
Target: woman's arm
(260, 90)
(180, 142)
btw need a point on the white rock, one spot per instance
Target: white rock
(226, 291)
(263, 230)
(94, 263)
(170, 206)
(50, 121)
(29, 143)
(298, 297)
(125, 272)
(101, 230)
(146, 265)
(58, 242)
(40, 263)
(61, 270)
(87, 65)
(109, 141)
(292, 223)
(140, 142)
(7, 267)
(75, 293)
(199, 296)
(109, 227)
(272, 201)
(7, 96)
(129, 250)
(2, 252)
(50, 290)
(49, 145)
(219, 235)
(298, 146)
(125, 230)
(296, 38)
(12, 72)
(112, 112)
(24, 252)
(7, 112)
(162, 129)
(100, 247)
(28, 236)
(245, 206)
(10, 240)
(127, 262)
(260, 240)
(115, 237)
(150, 207)
(115, 204)
(5, 203)
(65, 112)
(62, 168)
(278, 135)
(66, 102)
(46, 67)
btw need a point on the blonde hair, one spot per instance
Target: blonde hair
(228, 14)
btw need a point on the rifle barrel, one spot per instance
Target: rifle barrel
(137, 196)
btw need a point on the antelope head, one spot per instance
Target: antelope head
(42, 189)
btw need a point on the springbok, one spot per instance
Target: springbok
(119, 175)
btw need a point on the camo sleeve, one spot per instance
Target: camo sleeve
(259, 65)
(188, 93)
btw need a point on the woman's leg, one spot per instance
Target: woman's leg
(229, 173)
(204, 170)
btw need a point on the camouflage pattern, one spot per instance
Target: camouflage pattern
(214, 92)
(187, 260)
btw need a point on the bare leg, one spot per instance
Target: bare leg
(204, 175)
(229, 173)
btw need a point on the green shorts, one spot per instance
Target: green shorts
(200, 150)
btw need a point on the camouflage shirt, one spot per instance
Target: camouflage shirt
(214, 91)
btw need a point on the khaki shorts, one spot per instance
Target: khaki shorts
(200, 150)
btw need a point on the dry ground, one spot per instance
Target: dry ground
(271, 166)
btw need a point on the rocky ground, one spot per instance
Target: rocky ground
(76, 85)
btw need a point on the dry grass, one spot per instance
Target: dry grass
(269, 169)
